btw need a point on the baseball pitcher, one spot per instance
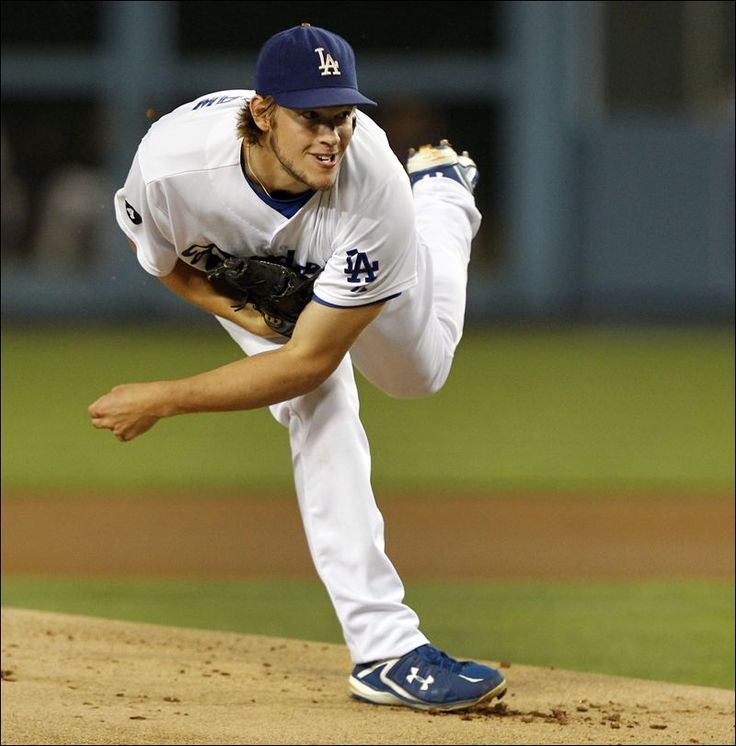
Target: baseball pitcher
(284, 213)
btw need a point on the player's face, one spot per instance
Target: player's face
(309, 144)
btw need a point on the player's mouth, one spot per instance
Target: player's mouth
(325, 160)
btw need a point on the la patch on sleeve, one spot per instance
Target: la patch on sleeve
(360, 270)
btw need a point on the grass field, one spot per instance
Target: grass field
(584, 411)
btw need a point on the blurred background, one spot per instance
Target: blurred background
(603, 130)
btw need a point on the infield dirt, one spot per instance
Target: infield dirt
(517, 537)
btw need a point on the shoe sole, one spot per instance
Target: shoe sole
(365, 693)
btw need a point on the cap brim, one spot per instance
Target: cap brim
(318, 98)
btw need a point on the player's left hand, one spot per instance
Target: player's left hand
(124, 411)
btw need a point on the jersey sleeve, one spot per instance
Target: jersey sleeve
(141, 215)
(374, 256)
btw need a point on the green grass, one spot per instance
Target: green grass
(579, 410)
(679, 631)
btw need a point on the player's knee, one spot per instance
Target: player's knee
(416, 387)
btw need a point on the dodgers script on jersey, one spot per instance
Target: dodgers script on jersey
(186, 198)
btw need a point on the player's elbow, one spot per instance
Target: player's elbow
(310, 371)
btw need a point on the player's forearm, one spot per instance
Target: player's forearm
(193, 286)
(250, 383)
(132, 409)
(320, 341)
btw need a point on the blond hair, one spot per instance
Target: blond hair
(246, 125)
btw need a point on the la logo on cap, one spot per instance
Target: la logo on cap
(327, 64)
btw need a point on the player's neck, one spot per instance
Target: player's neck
(264, 169)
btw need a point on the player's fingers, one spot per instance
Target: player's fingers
(101, 423)
(121, 435)
(95, 413)
(95, 410)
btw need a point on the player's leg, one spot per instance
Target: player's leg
(408, 350)
(343, 526)
(447, 220)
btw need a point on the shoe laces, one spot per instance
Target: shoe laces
(436, 657)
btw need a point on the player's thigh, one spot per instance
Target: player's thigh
(405, 352)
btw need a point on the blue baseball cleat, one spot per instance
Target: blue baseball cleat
(442, 161)
(426, 679)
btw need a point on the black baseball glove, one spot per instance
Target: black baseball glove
(279, 293)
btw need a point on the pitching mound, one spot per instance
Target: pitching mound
(79, 680)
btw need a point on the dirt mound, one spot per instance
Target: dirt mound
(80, 680)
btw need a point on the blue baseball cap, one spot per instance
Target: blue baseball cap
(307, 67)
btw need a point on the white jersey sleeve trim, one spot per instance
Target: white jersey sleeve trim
(357, 305)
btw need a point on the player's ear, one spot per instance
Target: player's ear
(262, 109)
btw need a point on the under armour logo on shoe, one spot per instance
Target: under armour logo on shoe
(414, 675)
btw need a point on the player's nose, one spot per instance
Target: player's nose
(328, 133)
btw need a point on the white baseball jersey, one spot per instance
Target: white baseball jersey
(186, 198)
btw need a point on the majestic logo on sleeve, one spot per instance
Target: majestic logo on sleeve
(327, 64)
(360, 270)
(135, 218)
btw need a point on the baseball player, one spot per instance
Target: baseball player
(292, 173)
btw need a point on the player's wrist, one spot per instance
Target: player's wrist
(253, 321)
(161, 399)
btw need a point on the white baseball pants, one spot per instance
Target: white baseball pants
(406, 352)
